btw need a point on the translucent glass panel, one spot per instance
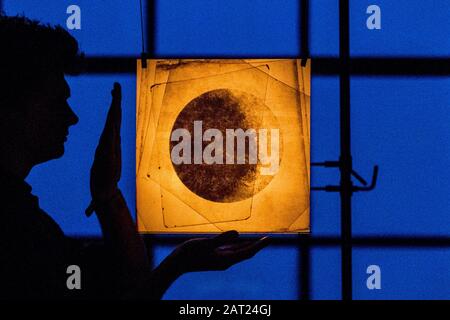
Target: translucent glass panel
(193, 196)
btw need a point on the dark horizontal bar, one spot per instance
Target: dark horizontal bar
(391, 241)
(106, 65)
(277, 240)
(308, 240)
(407, 66)
(396, 241)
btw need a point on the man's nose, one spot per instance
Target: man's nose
(71, 116)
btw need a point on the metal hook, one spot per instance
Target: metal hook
(372, 184)
(331, 188)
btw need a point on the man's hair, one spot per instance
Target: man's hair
(29, 52)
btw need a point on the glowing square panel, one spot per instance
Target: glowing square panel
(223, 145)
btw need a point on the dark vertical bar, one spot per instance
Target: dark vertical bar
(304, 29)
(143, 41)
(305, 268)
(151, 27)
(150, 45)
(304, 32)
(304, 245)
(345, 146)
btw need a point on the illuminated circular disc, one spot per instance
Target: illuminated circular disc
(225, 109)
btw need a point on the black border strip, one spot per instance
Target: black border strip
(320, 65)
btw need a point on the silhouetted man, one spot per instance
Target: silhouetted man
(34, 124)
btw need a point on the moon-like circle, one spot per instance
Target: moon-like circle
(225, 109)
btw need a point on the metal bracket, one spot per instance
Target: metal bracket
(337, 188)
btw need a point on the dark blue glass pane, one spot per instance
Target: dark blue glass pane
(325, 274)
(408, 28)
(325, 207)
(63, 185)
(107, 27)
(417, 274)
(271, 274)
(227, 28)
(324, 27)
(402, 124)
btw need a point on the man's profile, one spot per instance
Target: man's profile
(34, 125)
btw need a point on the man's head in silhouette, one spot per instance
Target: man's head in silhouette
(34, 113)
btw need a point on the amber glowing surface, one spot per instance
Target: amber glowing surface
(223, 145)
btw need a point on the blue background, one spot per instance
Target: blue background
(399, 123)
